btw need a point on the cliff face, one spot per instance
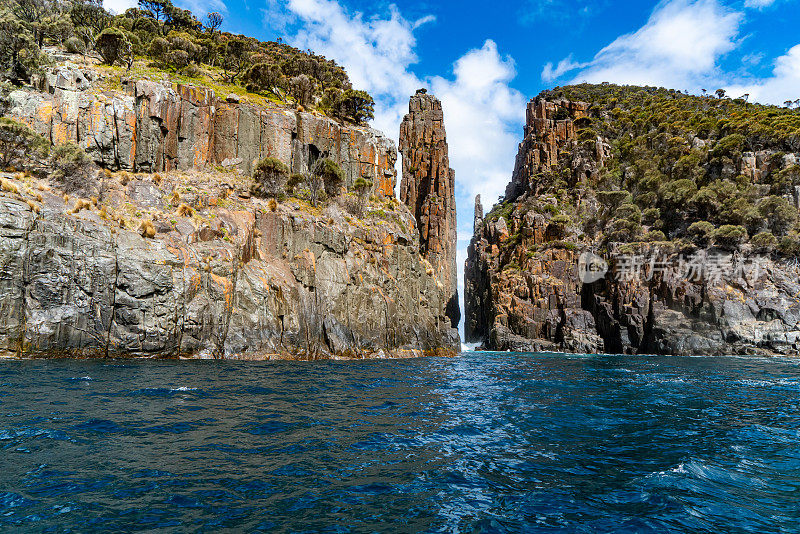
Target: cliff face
(235, 282)
(225, 275)
(150, 127)
(527, 285)
(428, 189)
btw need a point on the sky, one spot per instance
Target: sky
(485, 60)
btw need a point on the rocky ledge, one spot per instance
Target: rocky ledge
(156, 126)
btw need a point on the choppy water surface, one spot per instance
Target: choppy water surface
(485, 442)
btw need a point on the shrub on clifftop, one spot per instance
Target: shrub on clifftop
(110, 45)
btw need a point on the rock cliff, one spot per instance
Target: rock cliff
(654, 284)
(183, 262)
(150, 126)
(428, 189)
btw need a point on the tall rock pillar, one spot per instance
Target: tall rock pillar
(428, 189)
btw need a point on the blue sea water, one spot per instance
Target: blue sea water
(482, 443)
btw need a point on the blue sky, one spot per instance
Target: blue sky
(484, 60)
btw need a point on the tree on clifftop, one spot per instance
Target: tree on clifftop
(236, 57)
(156, 8)
(111, 44)
(357, 106)
(213, 22)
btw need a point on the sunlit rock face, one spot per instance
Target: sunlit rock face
(151, 127)
(223, 275)
(523, 285)
(428, 189)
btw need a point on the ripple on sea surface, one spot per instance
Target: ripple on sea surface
(486, 442)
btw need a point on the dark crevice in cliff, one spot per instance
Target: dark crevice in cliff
(113, 311)
(115, 137)
(25, 280)
(230, 303)
(595, 299)
(648, 343)
(180, 310)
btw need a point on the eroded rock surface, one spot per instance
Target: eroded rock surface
(428, 189)
(152, 127)
(524, 292)
(227, 275)
(241, 282)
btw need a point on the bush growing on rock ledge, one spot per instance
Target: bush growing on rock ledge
(700, 232)
(764, 242)
(559, 225)
(361, 186)
(110, 45)
(270, 175)
(73, 45)
(778, 213)
(71, 167)
(20, 146)
(331, 174)
(729, 236)
(295, 182)
(790, 245)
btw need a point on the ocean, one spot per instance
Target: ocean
(487, 442)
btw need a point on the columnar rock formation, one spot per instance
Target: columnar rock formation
(550, 127)
(249, 283)
(152, 127)
(477, 219)
(428, 189)
(223, 275)
(522, 285)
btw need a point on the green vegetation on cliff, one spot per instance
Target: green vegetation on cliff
(160, 36)
(698, 169)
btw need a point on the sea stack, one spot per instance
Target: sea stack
(428, 189)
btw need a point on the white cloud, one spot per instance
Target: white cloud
(677, 47)
(483, 114)
(424, 20)
(680, 47)
(550, 73)
(376, 53)
(758, 4)
(483, 117)
(119, 6)
(783, 85)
